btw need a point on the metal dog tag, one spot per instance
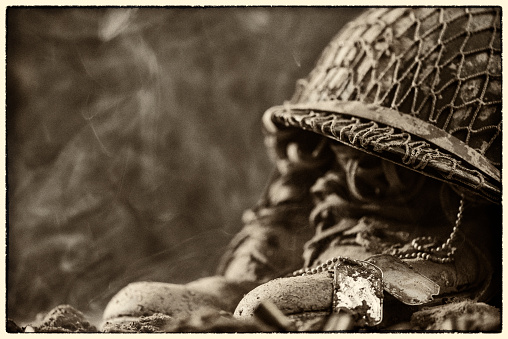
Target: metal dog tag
(403, 282)
(358, 289)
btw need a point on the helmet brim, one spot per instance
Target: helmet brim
(396, 137)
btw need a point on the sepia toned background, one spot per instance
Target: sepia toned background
(134, 140)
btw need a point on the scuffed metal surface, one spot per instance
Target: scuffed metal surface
(358, 288)
(404, 283)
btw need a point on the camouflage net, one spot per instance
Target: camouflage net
(441, 66)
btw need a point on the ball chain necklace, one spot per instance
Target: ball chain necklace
(356, 281)
(425, 248)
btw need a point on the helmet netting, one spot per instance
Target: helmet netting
(441, 65)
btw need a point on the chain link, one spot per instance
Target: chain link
(426, 247)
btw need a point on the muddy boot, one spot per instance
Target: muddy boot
(456, 262)
(179, 302)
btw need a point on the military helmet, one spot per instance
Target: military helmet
(420, 87)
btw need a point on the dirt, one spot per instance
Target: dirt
(456, 316)
(63, 318)
(463, 315)
(66, 319)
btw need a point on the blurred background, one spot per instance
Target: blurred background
(134, 140)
